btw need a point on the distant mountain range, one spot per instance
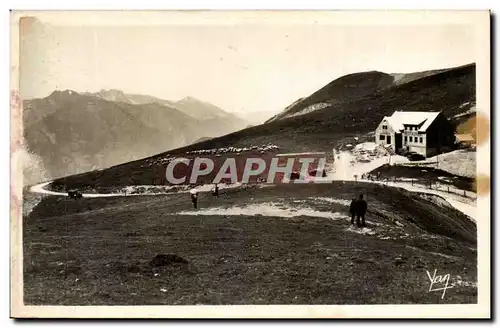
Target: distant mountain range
(68, 132)
(191, 106)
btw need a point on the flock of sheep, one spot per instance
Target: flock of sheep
(225, 150)
(214, 151)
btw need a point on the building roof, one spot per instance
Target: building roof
(398, 119)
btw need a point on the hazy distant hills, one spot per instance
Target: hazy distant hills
(72, 133)
(214, 120)
(191, 106)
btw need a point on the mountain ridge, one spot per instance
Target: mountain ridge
(73, 133)
(323, 129)
(376, 82)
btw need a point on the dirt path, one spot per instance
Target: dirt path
(469, 209)
(343, 170)
(40, 189)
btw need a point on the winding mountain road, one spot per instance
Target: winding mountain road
(343, 171)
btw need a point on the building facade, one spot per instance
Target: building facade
(424, 133)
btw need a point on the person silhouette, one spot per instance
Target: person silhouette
(352, 209)
(194, 197)
(361, 207)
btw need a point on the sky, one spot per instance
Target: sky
(237, 65)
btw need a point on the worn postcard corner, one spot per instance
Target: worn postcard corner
(297, 164)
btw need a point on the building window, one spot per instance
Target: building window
(421, 140)
(382, 137)
(384, 127)
(406, 139)
(411, 139)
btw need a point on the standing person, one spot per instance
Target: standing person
(194, 197)
(216, 191)
(361, 207)
(352, 209)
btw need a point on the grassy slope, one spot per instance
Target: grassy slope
(371, 85)
(346, 88)
(99, 254)
(400, 78)
(321, 130)
(444, 91)
(430, 174)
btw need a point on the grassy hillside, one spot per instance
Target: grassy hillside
(303, 251)
(445, 91)
(341, 90)
(401, 78)
(321, 130)
(425, 176)
(352, 87)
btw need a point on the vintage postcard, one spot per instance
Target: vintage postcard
(250, 164)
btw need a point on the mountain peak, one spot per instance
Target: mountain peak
(112, 91)
(189, 99)
(62, 93)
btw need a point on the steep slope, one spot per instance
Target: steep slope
(352, 88)
(401, 78)
(111, 95)
(119, 95)
(201, 139)
(321, 130)
(36, 109)
(213, 117)
(75, 133)
(452, 91)
(343, 89)
(200, 109)
(193, 107)
(215, 121)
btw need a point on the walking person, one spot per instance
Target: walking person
(194, 197)
(352, 209)
(361, 207)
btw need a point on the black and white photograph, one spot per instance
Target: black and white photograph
(297, 164)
